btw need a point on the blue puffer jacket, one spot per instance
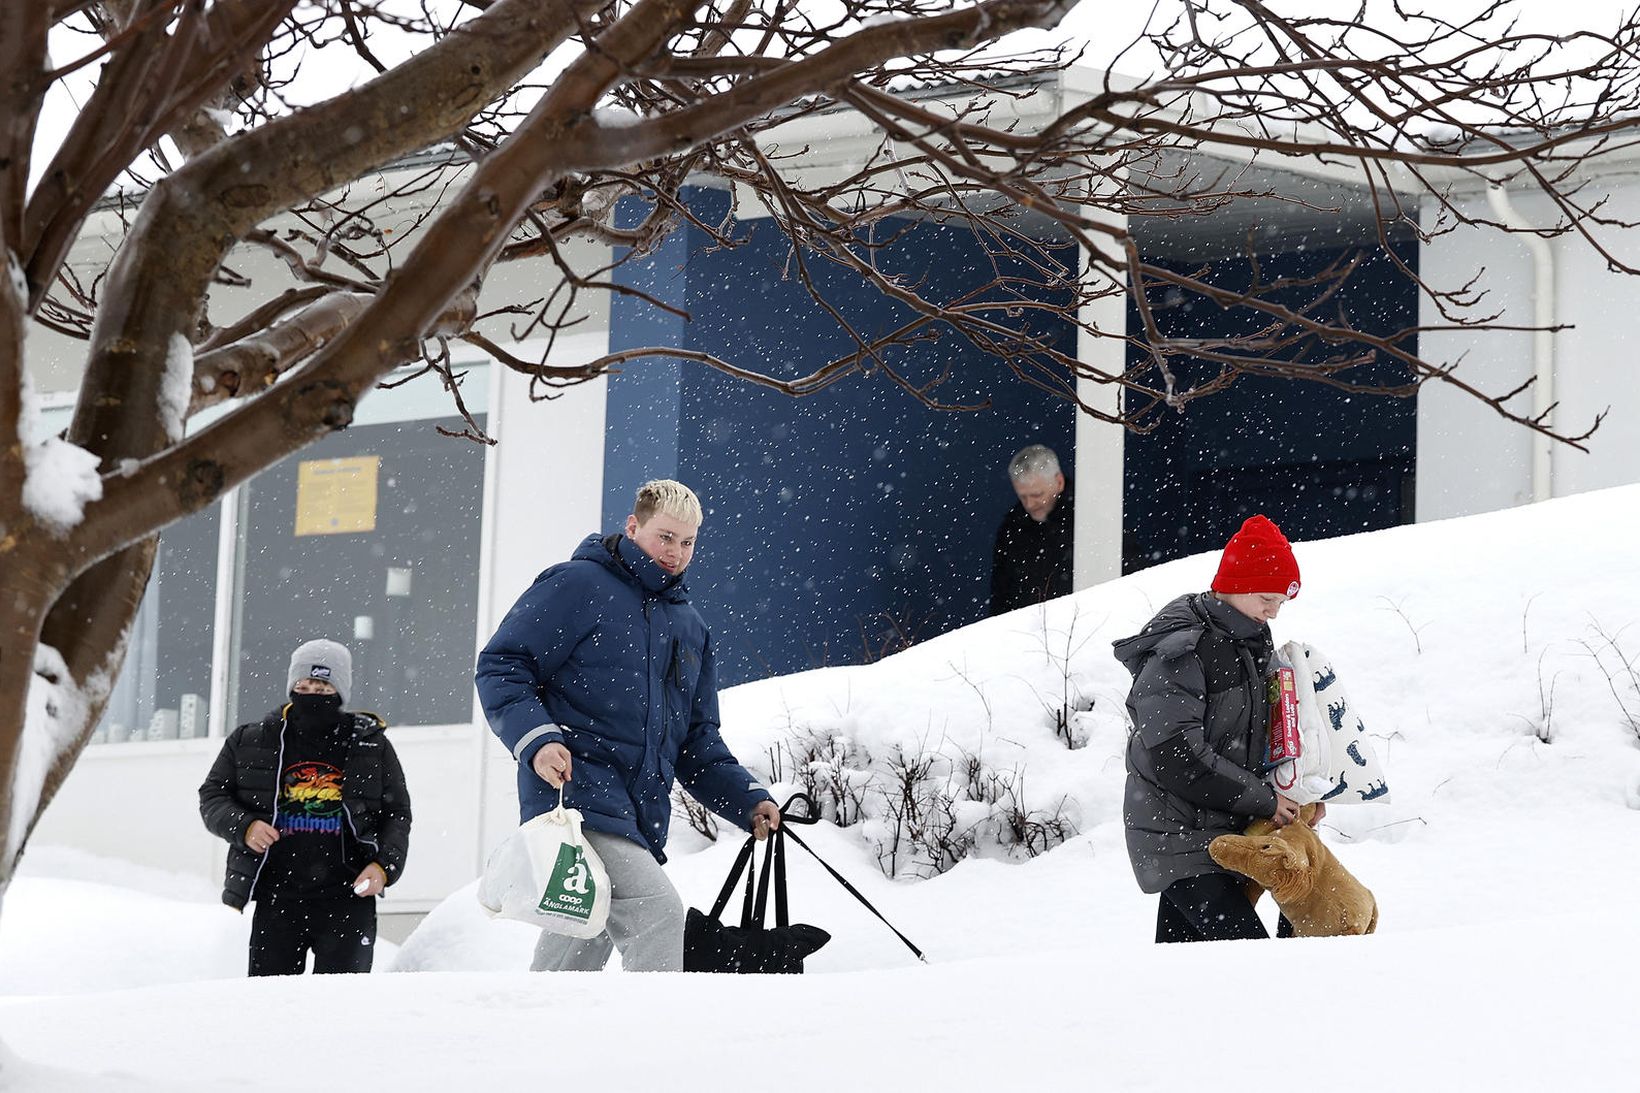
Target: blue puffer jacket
(605, 655)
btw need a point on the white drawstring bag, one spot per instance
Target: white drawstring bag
(1337, 763)
(548, 875)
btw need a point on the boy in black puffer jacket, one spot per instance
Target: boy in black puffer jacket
(313, 804)
(1195, 755)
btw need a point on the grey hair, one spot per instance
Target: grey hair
(1033, 461)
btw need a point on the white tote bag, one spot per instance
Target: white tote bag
(1336, 763)
(548, 875)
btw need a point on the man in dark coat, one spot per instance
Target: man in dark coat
(602, 676)
(1200, 711)
(313, 804)
(1032, 559)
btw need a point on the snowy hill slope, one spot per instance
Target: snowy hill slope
(1489, 657)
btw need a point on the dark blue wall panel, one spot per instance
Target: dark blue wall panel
(1317, 460)
(833, 518)
(645, 398)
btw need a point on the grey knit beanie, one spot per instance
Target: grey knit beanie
(324, 660)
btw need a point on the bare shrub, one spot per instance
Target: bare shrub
(696, 814)
(918, 823)
(1061, 648)
(937, 811)
(1620, 671)
(829, 767)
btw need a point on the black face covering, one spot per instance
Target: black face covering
(314, 711)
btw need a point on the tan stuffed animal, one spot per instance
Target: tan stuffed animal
(1316, 893)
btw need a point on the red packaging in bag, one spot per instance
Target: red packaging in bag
(1282, 743)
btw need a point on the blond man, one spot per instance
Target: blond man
(600, 682)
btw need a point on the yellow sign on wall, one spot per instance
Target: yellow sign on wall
(336, 496)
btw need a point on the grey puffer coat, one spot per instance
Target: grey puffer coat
(1196, 750)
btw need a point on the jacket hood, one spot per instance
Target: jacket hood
(623, 557)
(1192, 611)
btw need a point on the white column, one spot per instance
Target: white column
(225, 615)
(543, 494)
(1100, 444)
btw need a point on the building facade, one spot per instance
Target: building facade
(836, 525)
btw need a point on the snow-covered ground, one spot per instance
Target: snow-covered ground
(1488, 657)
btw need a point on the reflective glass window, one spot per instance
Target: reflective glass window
(164, 690)
(369, 537)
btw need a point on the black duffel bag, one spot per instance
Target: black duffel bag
(711, 946)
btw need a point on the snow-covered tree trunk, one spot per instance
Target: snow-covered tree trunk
(20, 619)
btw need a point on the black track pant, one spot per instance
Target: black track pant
(340, 932)
(1211, 907)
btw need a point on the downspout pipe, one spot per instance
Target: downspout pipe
(1543, 338)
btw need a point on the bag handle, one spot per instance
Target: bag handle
(754, 907)
(811, 816)
(728, 889)
(563, 799)
(753, 915)
(781, 915)
(774, 866)
(776, 853)
(855, 892)
(755, 901)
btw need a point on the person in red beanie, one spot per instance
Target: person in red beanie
(1199, 710)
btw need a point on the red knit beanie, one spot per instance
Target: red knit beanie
(1258, 559)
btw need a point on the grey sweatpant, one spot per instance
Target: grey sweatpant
(645, 917)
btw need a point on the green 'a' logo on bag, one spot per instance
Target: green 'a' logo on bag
(571, 889)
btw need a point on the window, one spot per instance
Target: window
(164, 689)
(371, 538)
